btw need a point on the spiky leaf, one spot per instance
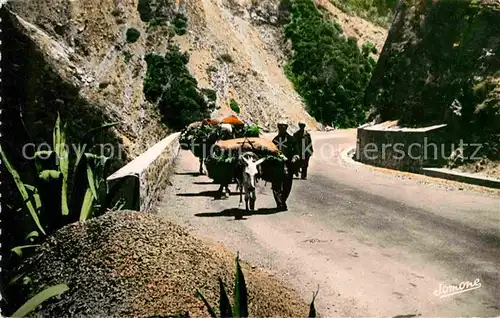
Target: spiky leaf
(240, 292)
(63, 160)
(45, 160)
(22, 190)
(224, 304)
(95, 176)
(209, 308)
(81, 149)
(36, 197)
(19, 249)
(32, 235)
(91, 180)
(87, 205)
(39, 298)
(16, 278)
(312, 309)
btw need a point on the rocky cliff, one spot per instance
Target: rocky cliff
(441, 64)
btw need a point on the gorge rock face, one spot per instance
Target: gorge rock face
(441, 64)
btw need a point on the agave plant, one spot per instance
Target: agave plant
(240, 298)
(50, 202)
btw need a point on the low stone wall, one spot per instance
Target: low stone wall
(404, 149)
(140, 183)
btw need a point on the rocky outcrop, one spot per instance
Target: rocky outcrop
(69, 57)
(441, 64)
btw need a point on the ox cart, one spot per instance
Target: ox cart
(224, 162)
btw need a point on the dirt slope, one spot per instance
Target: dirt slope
(357, 27)
(129, 263)
(250, 33)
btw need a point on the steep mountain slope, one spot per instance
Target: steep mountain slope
(251, 33)
(244, 67)
(441, 64)
(236, 48)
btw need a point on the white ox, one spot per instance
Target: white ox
(246, 178)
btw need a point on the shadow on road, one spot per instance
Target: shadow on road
(204, 182)
(193, 174)
(213, 194)
(239, 213)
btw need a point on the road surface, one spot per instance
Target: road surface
(377, 243)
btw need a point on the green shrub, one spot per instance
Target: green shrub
(369, 48)
(210, 94)
(127, 56)
(211, 69)
(180, 24)
(145, 11)
(252, 131)
(234, 106)
(153, 23)
(169, 84)
(226, 58)
(103, 85)
(327, 70)
(132, 35)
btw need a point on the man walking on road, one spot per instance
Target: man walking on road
(304, 144)
(288, 147)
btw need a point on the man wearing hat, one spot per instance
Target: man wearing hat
(288, 147)
(304, 144)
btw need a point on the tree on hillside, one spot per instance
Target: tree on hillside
(169, 84)
(329, 71)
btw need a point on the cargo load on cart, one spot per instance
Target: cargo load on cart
(222, 164)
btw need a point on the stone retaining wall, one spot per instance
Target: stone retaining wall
(141, 182)
(402, 148)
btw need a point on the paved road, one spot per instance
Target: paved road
(377, 243)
